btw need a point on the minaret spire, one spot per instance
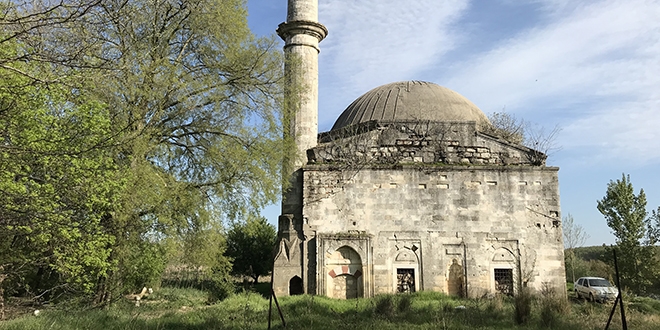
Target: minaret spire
(302, 33)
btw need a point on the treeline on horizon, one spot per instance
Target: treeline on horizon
(598, 261)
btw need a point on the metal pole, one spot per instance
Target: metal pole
(465, 271)
(618, 284)
(270, 303)
(270, 308)
(278, 308)
(616, 301)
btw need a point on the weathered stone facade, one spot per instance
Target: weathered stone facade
(408, 193)
(472, 215)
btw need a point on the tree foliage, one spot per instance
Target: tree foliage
(251, 245)
(57, 184)
(130, 130)
(653, 227)
(506, 126)
(625, 213)
(574, 236)
(519, 131)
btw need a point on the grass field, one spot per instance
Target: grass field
(171, 308)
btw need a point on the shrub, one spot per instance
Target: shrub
(404, 303)
(645, 305)
(553, 306)
(219, 288)
(495, 305)
(523, 305)
(384, 306)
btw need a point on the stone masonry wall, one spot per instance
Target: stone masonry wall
(407, 143)
(483, 217)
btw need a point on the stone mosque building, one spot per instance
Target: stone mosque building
(406, 192)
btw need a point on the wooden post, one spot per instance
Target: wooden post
(618, 284)
(272, 296)
(278, 308)
(609, 320)
(619, 298)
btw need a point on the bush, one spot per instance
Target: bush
(645, 305)
(523, 305)
(219, 288)
(384, 306)
(404, 303)
(553, 306)
(141, 265)
(495, 305)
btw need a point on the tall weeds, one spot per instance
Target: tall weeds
(384, 306)
(553, 307)
(523, 305)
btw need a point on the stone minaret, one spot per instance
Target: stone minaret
(301, 33)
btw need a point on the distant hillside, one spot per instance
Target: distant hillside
(597, 261)
(588, 253)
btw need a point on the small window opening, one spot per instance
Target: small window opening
(405, 278)
(504, 280)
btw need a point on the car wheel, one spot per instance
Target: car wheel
(577, 293)
(591, 297)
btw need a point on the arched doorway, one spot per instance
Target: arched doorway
(296, 286)
(344, 271)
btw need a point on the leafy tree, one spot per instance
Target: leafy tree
(625, 214)
(136, 127)
(591, 261)
(58, 181)
(653, 227)
(251, 245)
(574, 236)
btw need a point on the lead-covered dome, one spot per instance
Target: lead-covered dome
(410, 101)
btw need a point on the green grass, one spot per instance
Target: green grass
(570, 286)
(187, 309)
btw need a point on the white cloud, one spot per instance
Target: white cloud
(372, 42)
(591, 66)
(625, 134)
(595, 64)
(582, 54)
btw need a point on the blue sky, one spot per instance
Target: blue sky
(591, 67)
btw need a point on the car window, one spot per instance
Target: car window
(580, 281)
(599, 282)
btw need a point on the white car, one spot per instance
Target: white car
(595, 289)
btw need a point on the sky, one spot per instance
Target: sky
(590, 67)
